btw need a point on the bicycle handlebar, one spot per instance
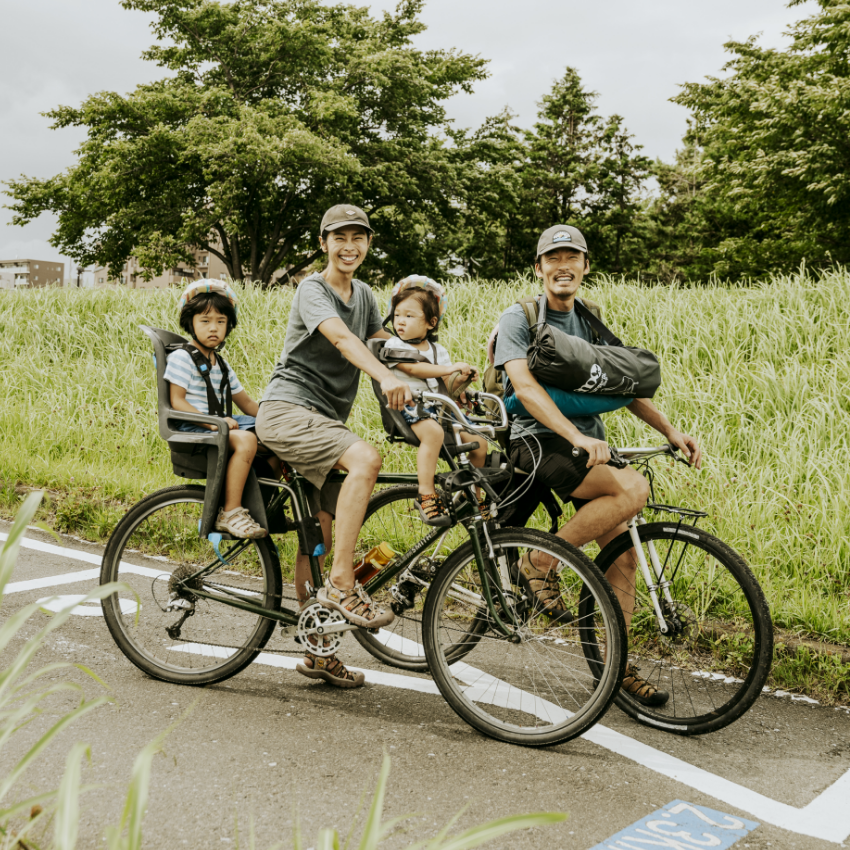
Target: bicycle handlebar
(621, 458)
(476, 423)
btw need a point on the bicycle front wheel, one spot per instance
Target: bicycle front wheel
(715, 658)
(187, 640)
(393, 518)
(535, 686)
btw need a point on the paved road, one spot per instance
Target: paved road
(272, 746)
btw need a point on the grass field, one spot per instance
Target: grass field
(760, 375)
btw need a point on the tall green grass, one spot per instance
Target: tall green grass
(760, 375)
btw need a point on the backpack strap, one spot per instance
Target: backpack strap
(223, 407)
(529, 307)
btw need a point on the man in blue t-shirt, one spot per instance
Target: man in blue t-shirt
(605, 497)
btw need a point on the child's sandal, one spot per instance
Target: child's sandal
(484, 507)
(239, 523)
(546, 590)
(432, 510)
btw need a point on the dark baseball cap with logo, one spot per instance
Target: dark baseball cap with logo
(560, 236)
(344, 215)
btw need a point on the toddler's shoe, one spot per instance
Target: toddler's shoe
(239, 523)
(432, 511)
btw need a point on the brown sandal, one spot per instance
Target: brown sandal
(432, 510)
(546, 589)
(331, 669)
(355, 605)
(639, 689)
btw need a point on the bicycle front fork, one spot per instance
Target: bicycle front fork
(656, 583)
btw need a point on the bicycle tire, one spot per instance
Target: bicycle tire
(158, 536)
(392, 518)
(541, 690)
(722, 620)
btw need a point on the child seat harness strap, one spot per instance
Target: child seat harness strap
(203, 365)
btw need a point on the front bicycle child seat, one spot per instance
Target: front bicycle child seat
(193, 455)
(397, 428)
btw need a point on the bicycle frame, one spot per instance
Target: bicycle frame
(655, 580)
(293, 490)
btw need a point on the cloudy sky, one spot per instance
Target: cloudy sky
(634, 54)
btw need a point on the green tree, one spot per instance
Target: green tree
(483, 238)
(274, 110)
(562, 153)
(774, 135)
(573, 167)
(615, 206)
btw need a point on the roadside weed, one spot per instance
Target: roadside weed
(375, 831)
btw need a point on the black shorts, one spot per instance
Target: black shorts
(558, 469)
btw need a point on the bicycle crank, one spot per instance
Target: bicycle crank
(320, 630)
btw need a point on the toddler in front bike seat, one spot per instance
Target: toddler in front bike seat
(417, 307)
(201, 382)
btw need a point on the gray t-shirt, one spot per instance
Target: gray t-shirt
(311, 371)
(512, 344)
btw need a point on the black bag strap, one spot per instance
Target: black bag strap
(599, 327)
(204, 366)
(605, 333)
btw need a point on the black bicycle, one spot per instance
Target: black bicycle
(198, 606)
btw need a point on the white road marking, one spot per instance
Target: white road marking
(92, 607)
(826, 817)
(377, 677)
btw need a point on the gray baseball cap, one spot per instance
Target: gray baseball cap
(343, 215)
(561, 236)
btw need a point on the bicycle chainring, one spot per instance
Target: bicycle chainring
(313, 620)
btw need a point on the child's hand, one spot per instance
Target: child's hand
(231, 423)
(465, 370)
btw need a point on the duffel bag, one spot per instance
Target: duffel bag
(572, 364)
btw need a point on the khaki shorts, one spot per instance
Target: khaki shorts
(308, 441)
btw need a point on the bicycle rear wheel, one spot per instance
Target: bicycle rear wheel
(715, 660)
(153, 548)
(393, 518)
(535, 688)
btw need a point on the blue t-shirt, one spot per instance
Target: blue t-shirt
(512, 344)
(180, 369)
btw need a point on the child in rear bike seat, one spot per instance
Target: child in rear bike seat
(201, 382)
(417, 307)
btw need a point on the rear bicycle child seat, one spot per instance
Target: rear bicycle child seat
(197, 456)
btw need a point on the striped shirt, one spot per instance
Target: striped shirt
(181, 370)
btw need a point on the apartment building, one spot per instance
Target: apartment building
(34, 273)
(203, 265)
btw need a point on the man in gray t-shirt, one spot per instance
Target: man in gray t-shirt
(303, 412)
(302, 376)
(606, 498)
